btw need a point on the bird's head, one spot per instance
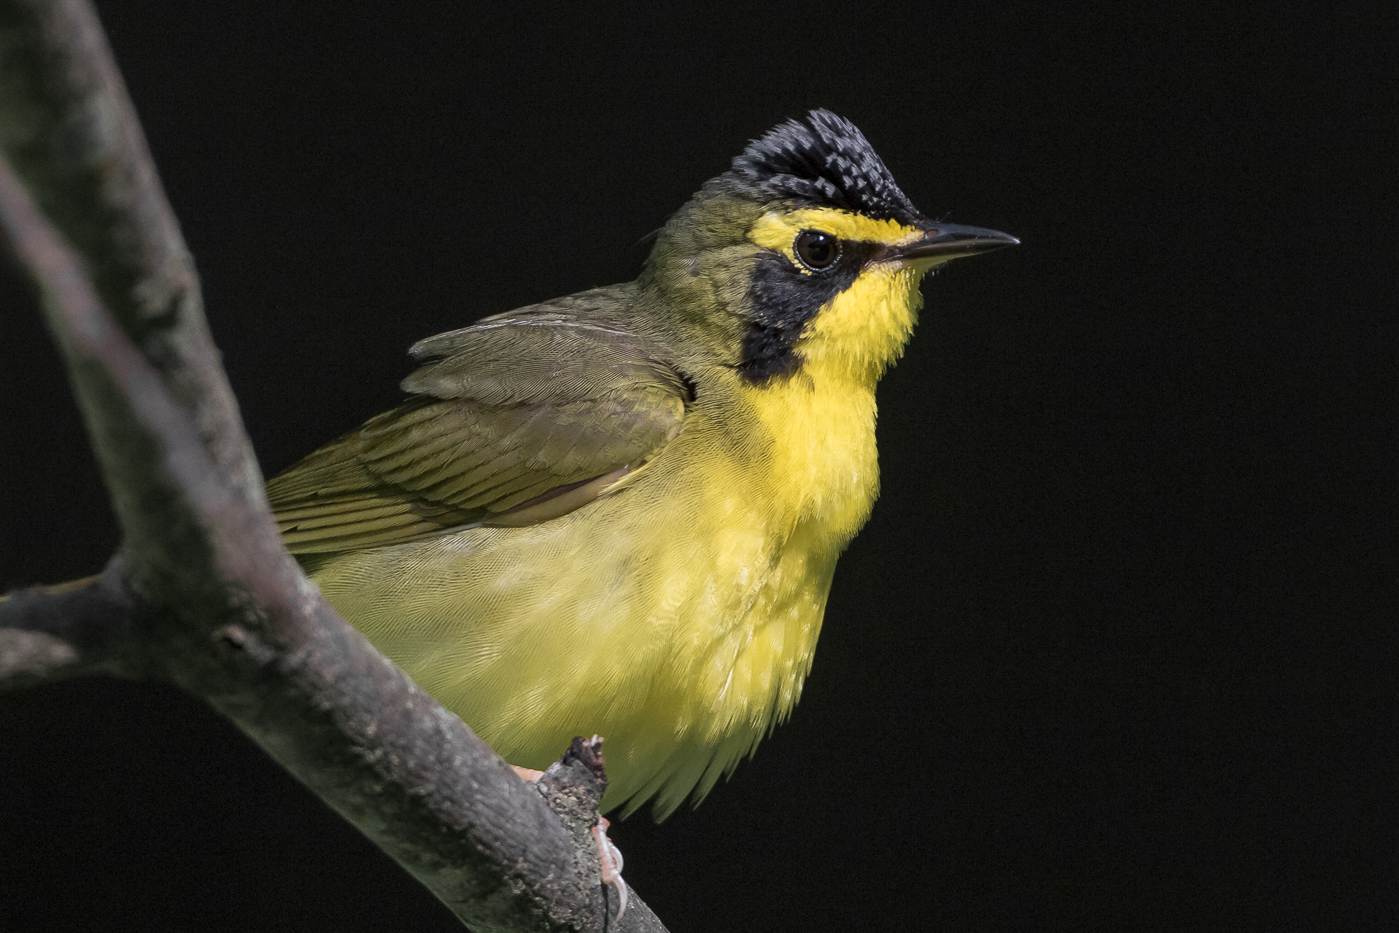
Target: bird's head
(804, 252)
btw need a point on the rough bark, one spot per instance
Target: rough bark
(201, 592)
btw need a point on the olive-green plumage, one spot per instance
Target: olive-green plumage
(618, 512)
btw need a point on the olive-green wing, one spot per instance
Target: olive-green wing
(523, 418)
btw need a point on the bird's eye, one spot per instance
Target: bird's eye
(817, 250)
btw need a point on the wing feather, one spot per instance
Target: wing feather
(506, 413)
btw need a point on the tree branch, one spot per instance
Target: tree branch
(72, 135)
(202, 592)
(56, 632)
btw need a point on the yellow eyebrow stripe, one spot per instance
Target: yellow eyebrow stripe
(777, 231)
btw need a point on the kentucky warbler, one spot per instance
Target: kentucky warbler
(618, 512)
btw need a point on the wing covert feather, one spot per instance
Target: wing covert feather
(507, 412)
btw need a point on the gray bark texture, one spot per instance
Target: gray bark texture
(201, 592)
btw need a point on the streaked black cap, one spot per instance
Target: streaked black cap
(826, 160)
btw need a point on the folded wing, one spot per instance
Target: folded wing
(517, 419)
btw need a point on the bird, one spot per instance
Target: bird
(618, 512)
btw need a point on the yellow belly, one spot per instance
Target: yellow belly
(674, 620)
(676, 617)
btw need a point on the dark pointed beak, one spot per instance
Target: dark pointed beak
(951, 241)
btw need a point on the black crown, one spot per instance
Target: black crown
(825, 160)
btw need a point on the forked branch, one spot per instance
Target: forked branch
(202, 593)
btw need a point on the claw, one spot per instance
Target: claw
(611, 858)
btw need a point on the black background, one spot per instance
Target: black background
(1114, 652)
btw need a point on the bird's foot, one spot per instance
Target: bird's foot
(611, 858)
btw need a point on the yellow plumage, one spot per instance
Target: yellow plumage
(620, 512)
